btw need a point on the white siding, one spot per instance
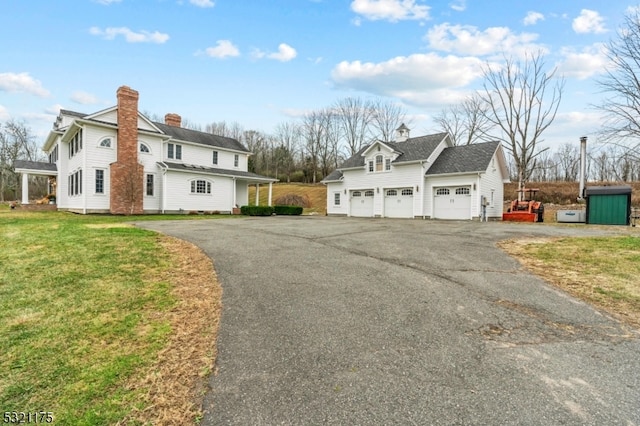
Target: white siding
(492, 181)
(203, 156)
(97, 157)
(179, 196)
(242, 193)
(343, 208)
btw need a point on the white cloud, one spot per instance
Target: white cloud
(420, 79)
(22, 82)
(285, 53)
(459, 5)
(202, 3)
(130, 36)
(390, 10)
(469, 40)
(589, 21)
(4, 113)
(590, 61)
(532, 18)
(223, 49)
(84, 98)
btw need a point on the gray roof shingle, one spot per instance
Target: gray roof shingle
(464, 159)
(214, 171)
(413, 149)
(34, 165)
(182, 134)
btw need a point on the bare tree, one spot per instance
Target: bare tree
(523, 100)
(16, 143)
(354, 116)
(569, 160)
(288, 137)
(222, 128)
(622, 82)
(312, 133)
(387, 117)
(467, 122)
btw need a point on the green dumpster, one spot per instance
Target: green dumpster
(608, 205)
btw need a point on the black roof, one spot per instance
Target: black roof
(608, 190)
(413, 149)
(333, 176)
(213, 170)
(464, 158)
(35, 165)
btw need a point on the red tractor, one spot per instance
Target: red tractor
(525, 210)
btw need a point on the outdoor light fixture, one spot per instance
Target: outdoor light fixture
(417, 188)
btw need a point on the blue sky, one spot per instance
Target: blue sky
(260, 63)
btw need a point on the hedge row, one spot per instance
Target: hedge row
(269, 210)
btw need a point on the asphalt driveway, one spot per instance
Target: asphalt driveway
(355, 321)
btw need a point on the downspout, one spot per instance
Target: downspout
(163, 202)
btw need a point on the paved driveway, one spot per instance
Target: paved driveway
(352, 322)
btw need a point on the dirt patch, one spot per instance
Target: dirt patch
(177, 382)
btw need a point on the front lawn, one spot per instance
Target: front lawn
(88, 309)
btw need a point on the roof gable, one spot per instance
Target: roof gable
(413, 149)
(464, 159)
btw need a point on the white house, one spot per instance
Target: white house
(424, 177)
(118, 161)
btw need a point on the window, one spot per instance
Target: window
(368, 193)
(442, 191)
(356, 194)
(200, 186)
(144, 148)
(462, 191)
(75, 183)
(75, 144)
(53, 155)
(174, 151)
(387, 164)
(392, 193)
(407, 191)
(371, 166)
(149, 188)
(105, 143)
(236, 160)
(215, 157)
(99, 181)
(336, 198)
(378, 163)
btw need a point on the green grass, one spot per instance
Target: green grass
(604, 271)
(80, 298)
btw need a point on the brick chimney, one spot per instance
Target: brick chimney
(173, 120)
(126, 178)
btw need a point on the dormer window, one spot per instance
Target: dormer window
(379, 160)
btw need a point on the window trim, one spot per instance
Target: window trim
(153, 185)
(146, 146)
(336, 198)
(214, 158)
(379, 163)
(106, 143)
(100, 181)
(236, 160)
(206, 188)
(174, 151)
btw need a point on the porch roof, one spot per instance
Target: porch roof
(191, 168)
(35, 167)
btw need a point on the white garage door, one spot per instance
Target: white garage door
(452, 202)
(362, 203)
(398, 202)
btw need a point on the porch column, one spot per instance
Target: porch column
(270, 193)
(257, 194)
(235, 188)
(25, 188)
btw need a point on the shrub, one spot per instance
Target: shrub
(293, 200)
(288, 210)
(256, 210)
